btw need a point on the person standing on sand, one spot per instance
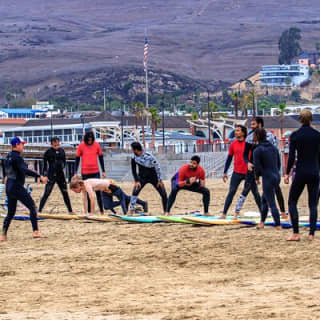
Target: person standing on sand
(149, 172)
(108, 188)
(89, 151)
(54, 162)
(250, 181)
(15, 172)
(236, 150)
(266, 162)
(190, 177)
(305, 145)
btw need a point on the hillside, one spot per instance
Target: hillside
(45, 41)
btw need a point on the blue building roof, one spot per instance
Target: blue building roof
(20, 111)
(304, 55)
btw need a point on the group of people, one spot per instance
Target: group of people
(255, 154)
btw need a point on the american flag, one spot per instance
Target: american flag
(145, 54)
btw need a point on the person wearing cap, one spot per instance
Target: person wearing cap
(16, 170)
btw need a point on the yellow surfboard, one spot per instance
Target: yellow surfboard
(60, 216)
(207, 221)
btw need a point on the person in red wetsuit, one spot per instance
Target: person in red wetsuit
(90, 151)
(190, 177)
(236, 151)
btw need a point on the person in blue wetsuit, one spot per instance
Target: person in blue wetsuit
(266, 161)
(305, 145)
(16, 171)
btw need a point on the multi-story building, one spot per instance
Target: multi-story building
(284, 75)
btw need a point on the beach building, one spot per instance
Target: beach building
(284, 75)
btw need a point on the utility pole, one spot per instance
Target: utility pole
(163, 136)
(104, 99)
(122, 119)
(209, 133)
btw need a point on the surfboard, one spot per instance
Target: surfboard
(60, 216)
(101, 218)
(211, 220)
(174, 219)
(141, 219)
(21, 218)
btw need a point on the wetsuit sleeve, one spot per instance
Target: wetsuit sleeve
(21, 167)
(101, 161)
(158, 169)
(227, 164)
(257, 163)
(45, 164)
(77, 164)
(134, 170)
(247, 149)
(279, 161)
(64, 161)
(292, 152)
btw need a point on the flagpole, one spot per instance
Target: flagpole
(146, 71)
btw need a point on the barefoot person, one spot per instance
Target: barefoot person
(54, 162)
(236, 151)
(305, 144)
(266, 161)
(89, 151)
(108, 188)
(149, 172)
(16, 171)
(190, 177)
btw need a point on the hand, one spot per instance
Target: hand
(43, 179)
(286, 179)
(103, 175)
(225, 177)
(160, 184)
(5, 180)
(75, 176)
(250, 166)
(137, 185)
(192, 180)
(257, 181)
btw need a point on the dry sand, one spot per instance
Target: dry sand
(91, 270)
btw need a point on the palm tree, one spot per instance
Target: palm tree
(236, 102)
(155, 121)
(281, 110)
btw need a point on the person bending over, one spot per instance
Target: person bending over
(108, 188)
(54, 162)
(15, 172)
(190, 177)
(266, 161)
(149, 172)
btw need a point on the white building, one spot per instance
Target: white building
(296, 109)
(284, 75)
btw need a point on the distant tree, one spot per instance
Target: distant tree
(317, 46)
(155, 121)
(195, 116)
(295, 96)
(226, 99)
(288, 81)
(23, 103)
(236, 102)
(9, 97)
(289, 45)
(281, 110)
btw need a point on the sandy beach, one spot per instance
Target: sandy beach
(92, 270)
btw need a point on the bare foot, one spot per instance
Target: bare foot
(294, 237)
(166, 214)
(3, 238)
(223, 216)
(235, 216)
(38, 235)
(260, 225)
(279, 228)
(284, 216)
(72, 213)
(311, 237)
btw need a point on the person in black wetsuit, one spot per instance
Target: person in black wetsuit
(305, 144)
(16, 171)
(250, 181)
(149, 172)
(266, 161)
(54, 161)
